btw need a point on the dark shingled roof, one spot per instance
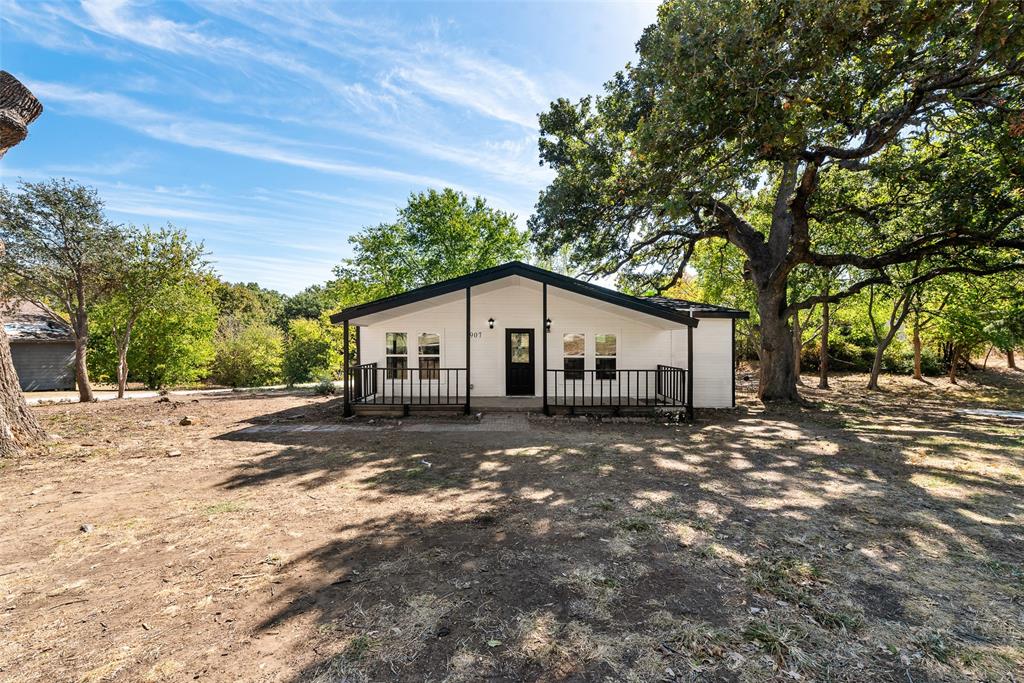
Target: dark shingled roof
(25, 321)
(697, 309)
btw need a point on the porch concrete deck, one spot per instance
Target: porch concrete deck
(505, 404)
(512, 404)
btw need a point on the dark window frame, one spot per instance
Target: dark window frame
(569, 363)
(431, 374)
(396, 372)
(605, 373)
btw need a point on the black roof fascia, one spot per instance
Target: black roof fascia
(697, 309)
(524, 270)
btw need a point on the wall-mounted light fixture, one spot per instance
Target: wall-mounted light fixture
(547, 324)
(490, 323)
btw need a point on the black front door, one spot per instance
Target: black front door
(519, 362)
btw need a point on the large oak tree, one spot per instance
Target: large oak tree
(18, 426)
(731, 100)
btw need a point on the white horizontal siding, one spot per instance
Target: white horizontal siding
(643, 341)
(712, 363)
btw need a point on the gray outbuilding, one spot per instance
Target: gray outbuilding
(42, 346)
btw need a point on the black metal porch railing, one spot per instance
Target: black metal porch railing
(373, 385)
(664, 385)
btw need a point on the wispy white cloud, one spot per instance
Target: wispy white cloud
(361, 202)
(223, 137)
(289, 274)
(398, 87)
(471, 81)
(110, 165)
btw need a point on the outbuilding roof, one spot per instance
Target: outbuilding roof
(656, 306)
(25, 321)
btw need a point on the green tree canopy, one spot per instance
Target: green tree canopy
(310, 303)
(249, 302)
(172, 341)
(437, 235)
(146, 264)
(737, 114)
(60, 249)
(312, 351)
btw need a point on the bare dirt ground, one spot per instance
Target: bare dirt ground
(864, 537)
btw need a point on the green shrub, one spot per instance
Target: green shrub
(247, 354)
(312, 350)
(325, 387)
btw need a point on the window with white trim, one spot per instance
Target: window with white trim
(429, 346)
(604, 356)
(396, 355)
(573, 355)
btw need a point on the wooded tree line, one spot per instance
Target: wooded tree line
(924, 328)
(872, 147)
(145, 306)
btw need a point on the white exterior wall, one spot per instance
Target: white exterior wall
(712, 363)
(643, 341)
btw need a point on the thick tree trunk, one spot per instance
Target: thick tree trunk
(122, 371)
(876, 369)
(1011, 361)
(953, 362)
(85, 394)
(823, 347)
(778, 376)
(18, 108)
(917, 350)
(19, 428)
(798, 347)
(80, 324)
(876, 364)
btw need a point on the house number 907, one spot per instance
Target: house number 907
(476, 335)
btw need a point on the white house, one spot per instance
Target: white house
(520, 336)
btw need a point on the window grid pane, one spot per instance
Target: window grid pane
(605, 368)
(396, 343)
(572, 344)
(573, 368)
(396, 367)
(429, 344)
(429, 367)
(604, 345)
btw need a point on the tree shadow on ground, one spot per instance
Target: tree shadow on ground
(828, 542)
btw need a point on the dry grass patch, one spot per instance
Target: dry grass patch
(866, 537)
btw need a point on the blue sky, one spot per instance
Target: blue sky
(274, 130)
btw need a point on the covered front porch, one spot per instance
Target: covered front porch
(373, 389)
